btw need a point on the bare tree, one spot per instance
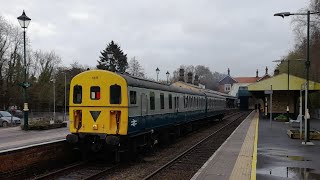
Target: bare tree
(135, 68)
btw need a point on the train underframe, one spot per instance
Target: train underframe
(130, 145)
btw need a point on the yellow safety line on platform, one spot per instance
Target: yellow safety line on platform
(244, 163)
(255, 150)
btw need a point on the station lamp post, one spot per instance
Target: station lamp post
(157, 71)
(167, 77)
(54, 98)
(308, 13)
(65, 95)
(24, 21)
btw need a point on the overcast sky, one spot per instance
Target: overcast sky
(242, 35)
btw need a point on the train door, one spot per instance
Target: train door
(176, 104)
(144, 109)
(144, 104)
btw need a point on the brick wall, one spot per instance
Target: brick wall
(280, 101)
(19, 161)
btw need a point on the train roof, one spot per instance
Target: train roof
(144, 83)
(208, 92)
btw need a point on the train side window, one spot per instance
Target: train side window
(152, 101)
(161, 100)
(95, 93)
(170, 101)
(115, 94)
(133, 97)
(77, 94)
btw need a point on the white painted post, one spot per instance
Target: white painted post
(271, 108)
(306, 113)
(300, 116)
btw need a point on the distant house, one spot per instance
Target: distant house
(238, 86)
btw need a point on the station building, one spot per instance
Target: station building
(238, 87)
(281, 96)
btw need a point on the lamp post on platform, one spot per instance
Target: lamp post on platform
(24, 21)
(157, 71)
(167, 77)
(65, 96)
(308, 13)
(54, 98)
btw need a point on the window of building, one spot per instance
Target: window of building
(95, 93)
(152, 101)
(133, 97)
(115, 94)
(77, 94)
(227, 87)
(161, 100)
(178, 102)
(243, 88)
(170, 101)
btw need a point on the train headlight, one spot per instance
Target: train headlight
(95, 127)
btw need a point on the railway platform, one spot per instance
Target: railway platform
(257, 150)
(15, 138)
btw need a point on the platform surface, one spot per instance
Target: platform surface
(280, 157)
(14, 137)
(234, 151)
(275, 157)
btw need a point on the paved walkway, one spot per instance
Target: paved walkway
(270, 156)
(280, 157)
(14, 137)
(234, 158)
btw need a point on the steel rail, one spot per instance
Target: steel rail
(79, 167)
(193, 147)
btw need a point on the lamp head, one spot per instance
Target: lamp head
(282, 14)
(24, 20)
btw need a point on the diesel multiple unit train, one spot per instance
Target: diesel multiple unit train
(108, 109)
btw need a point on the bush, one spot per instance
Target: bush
(281, 117)
(44, 125)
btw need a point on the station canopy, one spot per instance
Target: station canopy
(280, 82)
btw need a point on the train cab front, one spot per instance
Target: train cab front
(98, 108)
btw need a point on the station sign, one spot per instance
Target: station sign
(268, 92)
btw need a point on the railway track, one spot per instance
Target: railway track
(81, 170)
(96, 170)
(185, 165)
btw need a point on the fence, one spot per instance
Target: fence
(48, 116)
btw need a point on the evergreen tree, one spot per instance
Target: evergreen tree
(118, 61)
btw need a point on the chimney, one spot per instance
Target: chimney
(181, 75)
(257, 73)
(266, 70)
(276, 72)
(228, 72)
(196, 80)
(189, 77)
